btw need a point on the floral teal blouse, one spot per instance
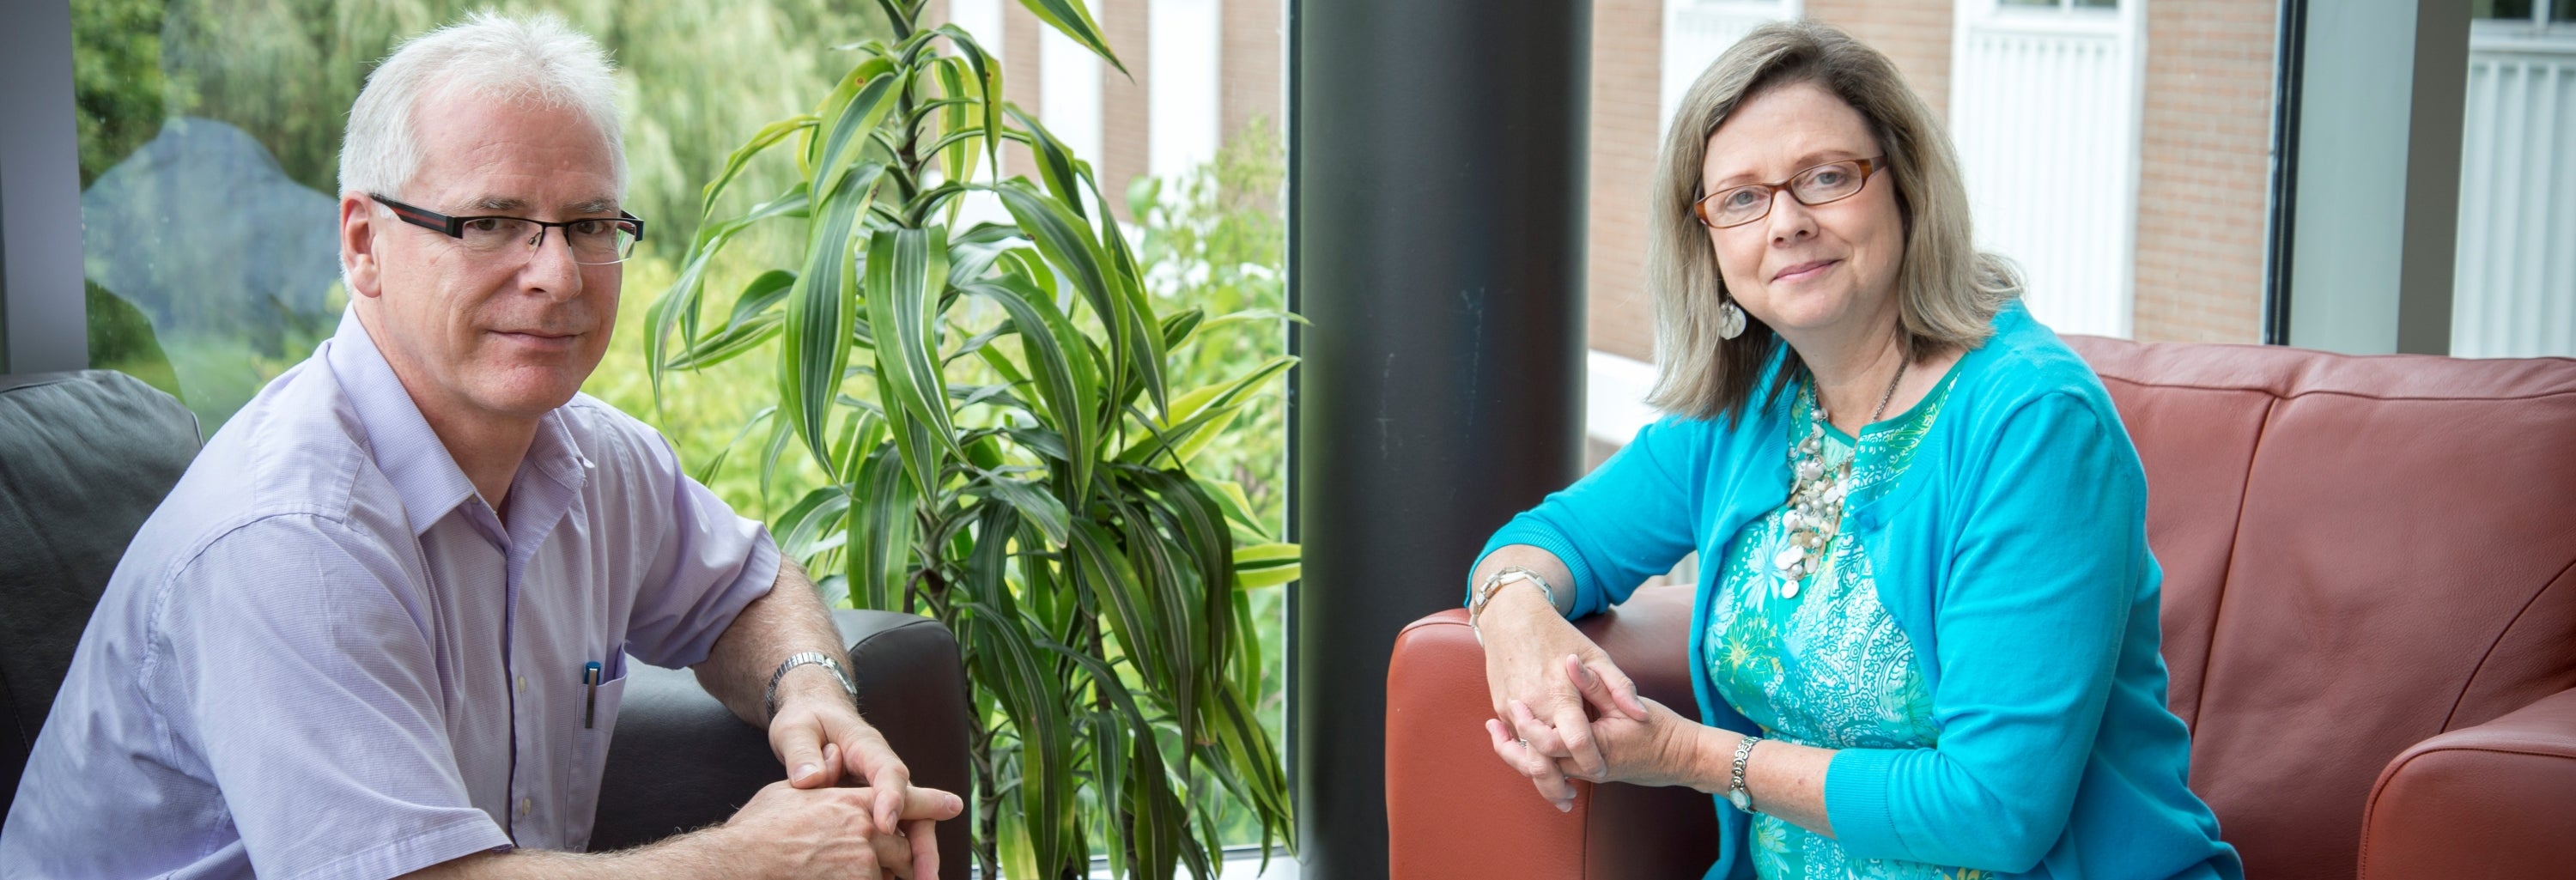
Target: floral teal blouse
(1823, 665)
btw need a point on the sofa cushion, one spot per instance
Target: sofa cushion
(2402, 563)
(2197, 444)
(84, 459)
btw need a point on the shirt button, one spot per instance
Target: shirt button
(523, 684)
(525, 804)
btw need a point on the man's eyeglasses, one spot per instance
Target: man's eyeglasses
(594, 241)
(1832, 181)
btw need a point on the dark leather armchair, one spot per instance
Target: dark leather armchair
(85, 457)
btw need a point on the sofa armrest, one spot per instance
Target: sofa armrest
(680, 760)
(2494, 800)
(1453, 810)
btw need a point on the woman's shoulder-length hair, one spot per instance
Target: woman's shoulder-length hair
(1948, 292)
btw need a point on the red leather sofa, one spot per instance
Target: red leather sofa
(2369, 618)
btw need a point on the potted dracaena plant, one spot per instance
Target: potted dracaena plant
(986, 407)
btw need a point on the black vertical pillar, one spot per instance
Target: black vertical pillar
(1437, 191)
(42, 322)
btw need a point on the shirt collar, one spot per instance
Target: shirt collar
(424, 475)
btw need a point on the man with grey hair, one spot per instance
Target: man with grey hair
(379, 628)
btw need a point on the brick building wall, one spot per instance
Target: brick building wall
(1252, 66)
(1627, 64)
(2203, 156)
(2205, 142)
(1020, 31)
(1914, 33)
(1126, 109)
(1252, 75)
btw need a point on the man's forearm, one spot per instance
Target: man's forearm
(692, 855)
(790, 619)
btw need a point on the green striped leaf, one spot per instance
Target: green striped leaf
(810, 527)
(1032, 501)
(1061, 367)
(881, 531)
(1202, 414)
(907, 269)
(1266, 565)
(677, 307)
(1139, 335)
(1073, 19)
(750, 325)
(1064, 239)
(871, 90)
(820, 309)
(1058, 168)
(988, 71)
(960, 130)
(768, 136)
(1005, 660)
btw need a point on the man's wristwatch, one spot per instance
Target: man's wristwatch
(769, 702)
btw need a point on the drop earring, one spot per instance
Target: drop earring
(1730, 320)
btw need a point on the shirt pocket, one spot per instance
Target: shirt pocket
(590, 748)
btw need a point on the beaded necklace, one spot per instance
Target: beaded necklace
(1815, 503)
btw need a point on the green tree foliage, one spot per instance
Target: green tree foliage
(117, 82)
(691, 75)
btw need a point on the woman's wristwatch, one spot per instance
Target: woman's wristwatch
(1494, 582)
(1735, 793)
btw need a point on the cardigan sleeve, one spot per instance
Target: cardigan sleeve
(1628, 520)
(2049, 554)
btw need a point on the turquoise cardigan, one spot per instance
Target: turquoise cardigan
(2014, 555)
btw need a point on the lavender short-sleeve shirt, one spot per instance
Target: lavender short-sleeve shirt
(325, 656)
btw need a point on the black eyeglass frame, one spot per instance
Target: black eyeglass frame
(454, 227)
(1869, 167)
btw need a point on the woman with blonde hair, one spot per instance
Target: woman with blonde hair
(1925, 636)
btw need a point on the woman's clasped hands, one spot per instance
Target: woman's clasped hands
(1564, 711)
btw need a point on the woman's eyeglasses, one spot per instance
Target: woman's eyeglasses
(1832, 181)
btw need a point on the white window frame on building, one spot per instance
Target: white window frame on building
(2045, 103)
(2513, 288)
(1697, 31)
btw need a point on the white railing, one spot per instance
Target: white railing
(2044, 108)
(1697, 31)
(2513, 289)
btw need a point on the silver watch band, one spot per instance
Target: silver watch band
(769, 701)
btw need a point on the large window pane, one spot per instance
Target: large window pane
(210, 129)
(209, 140)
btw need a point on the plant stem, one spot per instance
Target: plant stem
(988, 803)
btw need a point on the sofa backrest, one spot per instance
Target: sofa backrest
(84, 458)
(2359, 553)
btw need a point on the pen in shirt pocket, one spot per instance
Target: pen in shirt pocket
(590, 697)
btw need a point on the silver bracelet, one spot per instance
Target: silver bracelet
(1493, 582)
(769, 701)
(1735, 792)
